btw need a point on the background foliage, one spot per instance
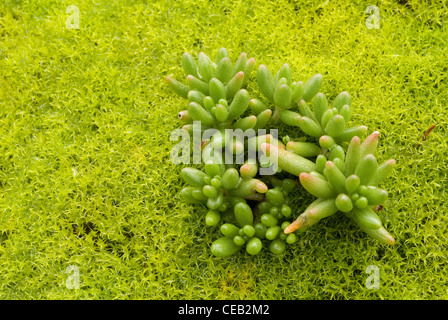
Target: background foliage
(85, 174)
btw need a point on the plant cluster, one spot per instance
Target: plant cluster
(330, 160)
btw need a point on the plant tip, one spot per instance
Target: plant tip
(260, 187)
(303, 175)
(266, 147)
(391, 162)
(390, 240)
(293, 227)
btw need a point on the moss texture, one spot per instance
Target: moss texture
(85, 174)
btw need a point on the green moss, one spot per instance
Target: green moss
(85, 174)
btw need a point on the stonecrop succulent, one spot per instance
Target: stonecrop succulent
(250, 227)
(323, 120)
(345, 182)
(282, 91)
(252, 209)
(216, 91)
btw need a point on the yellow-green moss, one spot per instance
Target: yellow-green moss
(85, 174)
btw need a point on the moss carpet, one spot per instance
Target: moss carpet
(89, 204)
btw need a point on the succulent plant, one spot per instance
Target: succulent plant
(218, 183)
(258, 226)
(216, 92)
(282, 91)
(301, 147)
(201, 71)
(323, 120)
(254, 210)
(345, 182)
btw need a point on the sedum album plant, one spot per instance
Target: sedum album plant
(345, 182)
(216, 92)
(251, 209)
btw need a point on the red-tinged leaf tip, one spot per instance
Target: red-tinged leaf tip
(330, 164)
(373, 137)
(266, 148)
(391, 162)
(260, 187)
(251, 60)
(356, 140)
(240, 74)
(190, 77)
(326, 142)
(293, 226)
(246, 170)
(168, 79)
(390, 240)
(303, 176)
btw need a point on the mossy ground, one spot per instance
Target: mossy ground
(85, 174)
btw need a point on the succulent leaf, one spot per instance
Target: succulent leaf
(312, 87)
(266, 82)
(189, 65)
